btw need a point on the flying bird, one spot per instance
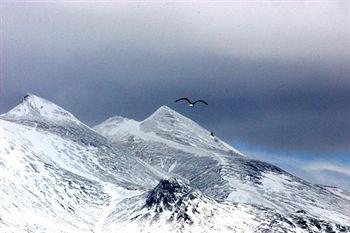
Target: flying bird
(191, 104)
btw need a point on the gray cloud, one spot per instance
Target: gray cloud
(275, 75)
(314, 30)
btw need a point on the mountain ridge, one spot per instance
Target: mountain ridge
(221, 173)
(166, 120)
(65, 173)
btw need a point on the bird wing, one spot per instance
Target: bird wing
(183, 99)
(201, 101)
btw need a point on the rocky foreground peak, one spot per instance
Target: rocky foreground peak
(173, 195)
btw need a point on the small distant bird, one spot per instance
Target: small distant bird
(212, 134)
(191, 104)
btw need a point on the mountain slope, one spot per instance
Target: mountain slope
(58, 175)
(166, 126)
(173, 206)
(177, 145)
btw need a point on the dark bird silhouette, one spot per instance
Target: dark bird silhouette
(191, 104)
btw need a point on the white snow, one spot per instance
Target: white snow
(199, 141)
(276, 182)
(51, 181)
(172, 166)
(247, 193)
(34, 107)
(167, 131)
(49, 146)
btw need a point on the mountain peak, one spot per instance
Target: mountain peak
(164, 108)
(35, 101)
(167, 116)
(36, 108)
(169, 124)
(165, 111)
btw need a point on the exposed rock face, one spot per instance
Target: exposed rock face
(173, 195)
(174, 206)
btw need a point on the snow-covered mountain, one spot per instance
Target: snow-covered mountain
(175, 144)
(59, 175)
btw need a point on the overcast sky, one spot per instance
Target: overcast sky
(276, 75)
